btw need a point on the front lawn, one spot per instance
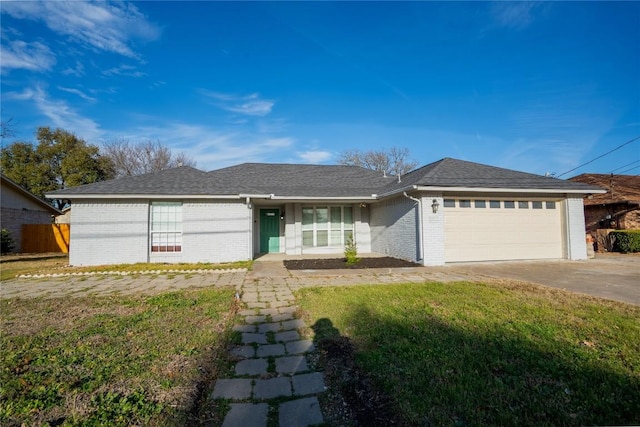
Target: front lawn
(488, 354)
(141, 360)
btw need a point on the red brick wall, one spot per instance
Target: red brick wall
(595, 217)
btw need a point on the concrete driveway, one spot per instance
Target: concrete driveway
(611, 276)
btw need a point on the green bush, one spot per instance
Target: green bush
(351, 251)
(7, 242)
(626, 241)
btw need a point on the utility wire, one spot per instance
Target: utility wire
(628, 164)
(627, 170)
(601, 156)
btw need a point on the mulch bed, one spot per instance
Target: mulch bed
(340, 263)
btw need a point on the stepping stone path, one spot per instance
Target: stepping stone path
(272, 374)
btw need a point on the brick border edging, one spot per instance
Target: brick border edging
(130, 273)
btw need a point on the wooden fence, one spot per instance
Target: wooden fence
(39, 238)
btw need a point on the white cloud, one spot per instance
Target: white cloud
(314, 157)
(105, 26)
(33, 56)
(250, 105)
(77, 71)
(213, 147)
(516, 15)
(124, 70)
(78, 92)
(59, 113)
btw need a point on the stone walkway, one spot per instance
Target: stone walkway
(272, 376)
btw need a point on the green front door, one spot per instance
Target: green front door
(269, 230)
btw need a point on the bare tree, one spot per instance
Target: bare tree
(143, 157)
(393, 160)
(6, 128)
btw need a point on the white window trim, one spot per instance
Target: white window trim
(175, 233)
(314, 229)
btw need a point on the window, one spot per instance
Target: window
(536, 205)
(326, 226)
(494, 204)
(509, 204)
(523, 205)
(480, 204)
(465, 203)
(449, 203)
(166, 226)
(551, 205)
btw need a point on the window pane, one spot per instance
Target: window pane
(480, 204)
(523, 205)
(335, 237)
(509, 204)
(536, 205)
(336, 217)
(494, 204)
(322, 218)
(322, 238)
(449, 203)
(166, 226)
(551, 205)
(307, 238)
(348, 216)
(347, 234)
(307, 218)
(465, 203)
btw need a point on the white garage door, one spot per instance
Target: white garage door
(491, 230)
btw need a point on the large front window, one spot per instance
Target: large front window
(166, 227)
(326, 225)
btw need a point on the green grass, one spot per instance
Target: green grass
(489, 354)
(111, 360)
(13, 265)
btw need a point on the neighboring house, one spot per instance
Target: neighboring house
(65, 218)
(618, 208)
(18, 206)
(447, 211)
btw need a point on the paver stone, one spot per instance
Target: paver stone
(271, 388)
(236, 388)
(247, 415)
(252, 367)
(300, 412)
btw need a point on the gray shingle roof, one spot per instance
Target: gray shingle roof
(290, 180)
(177, 181)
(450, 172)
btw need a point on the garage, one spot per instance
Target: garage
(502, 229)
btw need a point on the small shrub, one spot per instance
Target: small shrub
(626, 241)
(7, 242)
(351, 251)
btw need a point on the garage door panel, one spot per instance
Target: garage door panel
(482, 234)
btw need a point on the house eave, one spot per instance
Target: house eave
(442, 189)
(30, 196)
(325, 199)
(144, 196)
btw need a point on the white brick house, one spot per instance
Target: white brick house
(447, 211)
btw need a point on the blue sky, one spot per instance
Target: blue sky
(539, 87)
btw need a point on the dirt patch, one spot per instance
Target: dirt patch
(351, 397)
(341, 263)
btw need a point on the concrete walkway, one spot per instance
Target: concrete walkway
(272, 375)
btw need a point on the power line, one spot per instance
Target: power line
(601, 156)
(628, 164)
(627, 170)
